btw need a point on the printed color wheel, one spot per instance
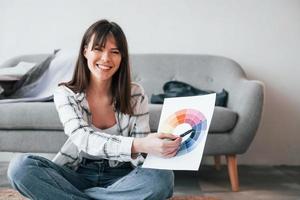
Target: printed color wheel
(192, 117)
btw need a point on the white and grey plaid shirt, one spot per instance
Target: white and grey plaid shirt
(83, 140)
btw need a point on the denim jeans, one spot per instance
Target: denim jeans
(36, 177)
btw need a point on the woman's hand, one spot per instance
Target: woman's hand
(159, 144)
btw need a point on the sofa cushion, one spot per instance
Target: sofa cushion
(29, 115)
(43, 116)
(223, 119)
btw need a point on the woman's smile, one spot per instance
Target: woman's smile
(104, 67)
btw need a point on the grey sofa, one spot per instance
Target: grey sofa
(35, 127)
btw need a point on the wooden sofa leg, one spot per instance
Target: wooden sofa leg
(233, 172)
(217, 162)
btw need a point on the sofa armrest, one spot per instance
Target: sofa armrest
(247, 100)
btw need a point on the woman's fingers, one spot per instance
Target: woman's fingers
(162, 144)
(167, 136)
(172, 143)
(171, 154)
(171, 148)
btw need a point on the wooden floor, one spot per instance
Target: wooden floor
(256, 182)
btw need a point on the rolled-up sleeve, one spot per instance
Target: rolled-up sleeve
(141, 127)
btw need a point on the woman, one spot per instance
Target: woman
(106, 119)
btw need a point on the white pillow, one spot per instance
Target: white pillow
(16, 72)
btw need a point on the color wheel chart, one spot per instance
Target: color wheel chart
(194, 119)
(191, 115)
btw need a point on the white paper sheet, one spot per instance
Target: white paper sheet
(179, 115)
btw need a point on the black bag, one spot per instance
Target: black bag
(181, 89)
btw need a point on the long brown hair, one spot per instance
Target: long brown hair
(121, 80)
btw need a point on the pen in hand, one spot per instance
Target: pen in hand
(186, 133)
(182, 134)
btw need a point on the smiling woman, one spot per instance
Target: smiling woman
(104, 46)
(106, 119)
(103, 61)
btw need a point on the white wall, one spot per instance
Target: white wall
(262, 35)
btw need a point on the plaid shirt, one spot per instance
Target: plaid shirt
(84, 141)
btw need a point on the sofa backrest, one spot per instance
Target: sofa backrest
(205, 72)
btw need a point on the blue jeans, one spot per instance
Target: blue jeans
(36, 177)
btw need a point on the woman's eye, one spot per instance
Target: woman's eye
(116, 52)
(97, 48)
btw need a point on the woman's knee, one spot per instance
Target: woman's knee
(161, 176)
(166, 179)
(18, 165)
(162, 184)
